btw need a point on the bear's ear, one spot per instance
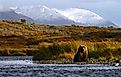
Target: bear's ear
(82, 45)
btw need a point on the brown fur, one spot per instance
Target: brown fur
(82, 54)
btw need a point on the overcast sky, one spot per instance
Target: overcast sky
(108, 9)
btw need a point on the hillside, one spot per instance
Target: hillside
(12, 15)
(18, 38)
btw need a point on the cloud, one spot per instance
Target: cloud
(4, 8)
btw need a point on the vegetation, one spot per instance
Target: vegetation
(23, 20)
(55, 51)
(59, 42)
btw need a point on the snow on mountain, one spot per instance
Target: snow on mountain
(85, 17)
(80, 15)
(43, 14)
(8, 14)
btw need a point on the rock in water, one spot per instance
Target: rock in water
(82, 54)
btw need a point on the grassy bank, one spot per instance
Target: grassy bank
(55, 51)
(102, 52)
(59, 42)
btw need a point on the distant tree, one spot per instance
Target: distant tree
(23, 20)
(110, 26)
(73, 25)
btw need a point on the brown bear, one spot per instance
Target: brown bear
(82, 54)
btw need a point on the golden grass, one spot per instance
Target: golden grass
(27, 37)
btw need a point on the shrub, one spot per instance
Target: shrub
(55, 49)
(5, 52)
(42, 54)
(32, 41)
(53, 52)
(23, 20)
(67, 48)
(19, 54)
(94, 54)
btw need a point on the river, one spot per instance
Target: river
(20, 66)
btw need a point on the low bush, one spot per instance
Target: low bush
(53, 51)
(32, 41)
(19, 54)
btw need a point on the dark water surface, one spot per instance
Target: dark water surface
(24, 67)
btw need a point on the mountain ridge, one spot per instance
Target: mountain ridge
(83, 16)
(43, 14)
(12, 15)
(52, 16)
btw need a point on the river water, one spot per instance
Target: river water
(24, 67)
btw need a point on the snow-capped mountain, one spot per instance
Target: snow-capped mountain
(43, 14)
(85, 17)
(53, 16)
(11, 15)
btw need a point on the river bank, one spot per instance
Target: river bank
(24, 66)
(61, 61)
